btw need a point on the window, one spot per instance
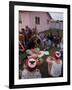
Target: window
(37, 20)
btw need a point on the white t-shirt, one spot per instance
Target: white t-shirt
(29, 75)
(56, 69)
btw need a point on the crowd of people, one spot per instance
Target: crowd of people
(30, 38)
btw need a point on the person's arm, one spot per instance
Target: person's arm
(50, 60)
(22, 47)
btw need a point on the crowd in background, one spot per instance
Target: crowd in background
(30, 38)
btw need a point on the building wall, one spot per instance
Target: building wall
(43, 21)
(28, 18)
(55, 25)
(25, 18)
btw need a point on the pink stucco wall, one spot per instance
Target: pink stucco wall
(28, 18)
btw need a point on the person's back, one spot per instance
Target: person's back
(31, 44)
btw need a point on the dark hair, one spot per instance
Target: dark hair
(26, 26)
(22, 29)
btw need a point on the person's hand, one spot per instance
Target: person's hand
(50, 59)
(22, 50)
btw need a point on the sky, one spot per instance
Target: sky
(56, 15)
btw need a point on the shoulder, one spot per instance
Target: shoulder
(25, 71)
